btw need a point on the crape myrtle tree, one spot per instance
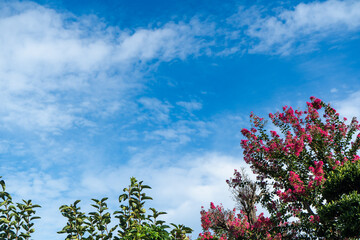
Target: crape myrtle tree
(308, 178)
(16, 219)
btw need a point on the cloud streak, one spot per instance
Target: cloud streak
(296, 30)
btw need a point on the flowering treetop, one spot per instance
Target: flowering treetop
(299, 164)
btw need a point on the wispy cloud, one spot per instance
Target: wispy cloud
(180, 132)
(296, 30)
(154, 110)
(56, 68)
(190, 106)
(350, 106)
(165, 43)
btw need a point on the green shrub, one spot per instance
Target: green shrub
(16, 220)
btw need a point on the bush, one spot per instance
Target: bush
(16, 220)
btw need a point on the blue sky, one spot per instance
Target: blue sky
(94, 92)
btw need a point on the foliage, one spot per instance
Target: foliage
(133, 222)
(16, 220)
(307, 177)
(341, 191)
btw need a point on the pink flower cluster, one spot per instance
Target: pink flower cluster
(314, 219)
(296, 183)
(318, 173)
(235, 225)
(206, 235)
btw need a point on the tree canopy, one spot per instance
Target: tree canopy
(308, 176)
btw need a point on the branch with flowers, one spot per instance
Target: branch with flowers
(308, 177)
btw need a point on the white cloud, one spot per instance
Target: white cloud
(179, 135)
(55, 68)
(33, 184)
(350, 106)
(190, 106)
(166, 43)
(154, 109)
(179, 132)
(299, 29)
